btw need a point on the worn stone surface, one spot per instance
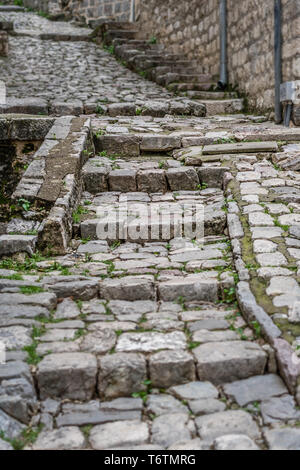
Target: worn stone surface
(119, 434)
(229, 361)
(258, 388)
(68, 375)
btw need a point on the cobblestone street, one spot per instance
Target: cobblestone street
(148, 338)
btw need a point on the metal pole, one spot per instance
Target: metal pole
(277, 60)
(223, 43)
(133, 11)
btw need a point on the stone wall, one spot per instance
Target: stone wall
(192, 27)
(87, 11)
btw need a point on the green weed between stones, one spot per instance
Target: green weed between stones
(28, 436)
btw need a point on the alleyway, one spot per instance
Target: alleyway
(147, 339)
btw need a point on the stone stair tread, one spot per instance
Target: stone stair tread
(241, 147)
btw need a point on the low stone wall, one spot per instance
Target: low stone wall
(192, 27)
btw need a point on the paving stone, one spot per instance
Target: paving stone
(169, 368)
(192, 287)
(121, 374)
(68, 375)
(92, 413)
(182, 179)
(96, 246)
(122, 180)
(174, 429)
(210, 427)
(235, 442)
(283, 439)
(58, 335)
(152, 181)
(68, 438)
(264, 246)
(119, 434)
(206, 336)
(151, 342)
(99, 341)
(130, 288)
(234, 226)
(266, 232)
(5, 445)
(15, 370)
(15, 337)
(67, 309)
(194, 444)
(271, 259)
(206, 406)
(255, 389)
(77, 289)
(195, 391)
(281, 409)
(260, 219)
(229, 361)
(164, 405)
(11, 427)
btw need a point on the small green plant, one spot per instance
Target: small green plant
(152, 40)
(100, 110)
(193, 345)
(28, 290)
(109, 49)
(103, 153)
(138, 111)
(257, 329)
(76, 214)
(229, 295)
(100, 132)
(18, 3)
(24, 204)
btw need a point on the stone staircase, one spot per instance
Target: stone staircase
(173, 71)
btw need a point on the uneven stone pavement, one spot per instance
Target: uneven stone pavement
(137, 341)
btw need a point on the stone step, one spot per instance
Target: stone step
(210, 95)
(116, 34)
(240, 147)
(100, 174)
(178, 87)
(227, 106)
(170, 78)
(140, 217)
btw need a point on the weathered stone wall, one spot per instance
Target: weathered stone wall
(192, 27)
(88, 11)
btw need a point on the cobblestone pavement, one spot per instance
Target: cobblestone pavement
(148, 339)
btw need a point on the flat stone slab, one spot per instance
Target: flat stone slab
(255, 389)
(68, 438)
(119, 434)
(229, 361)
(169, 430)
(210, 427)
(151, 342)
(279, 409)
(235, 442)
(195, 391)
(283, 439)
(240, 147)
